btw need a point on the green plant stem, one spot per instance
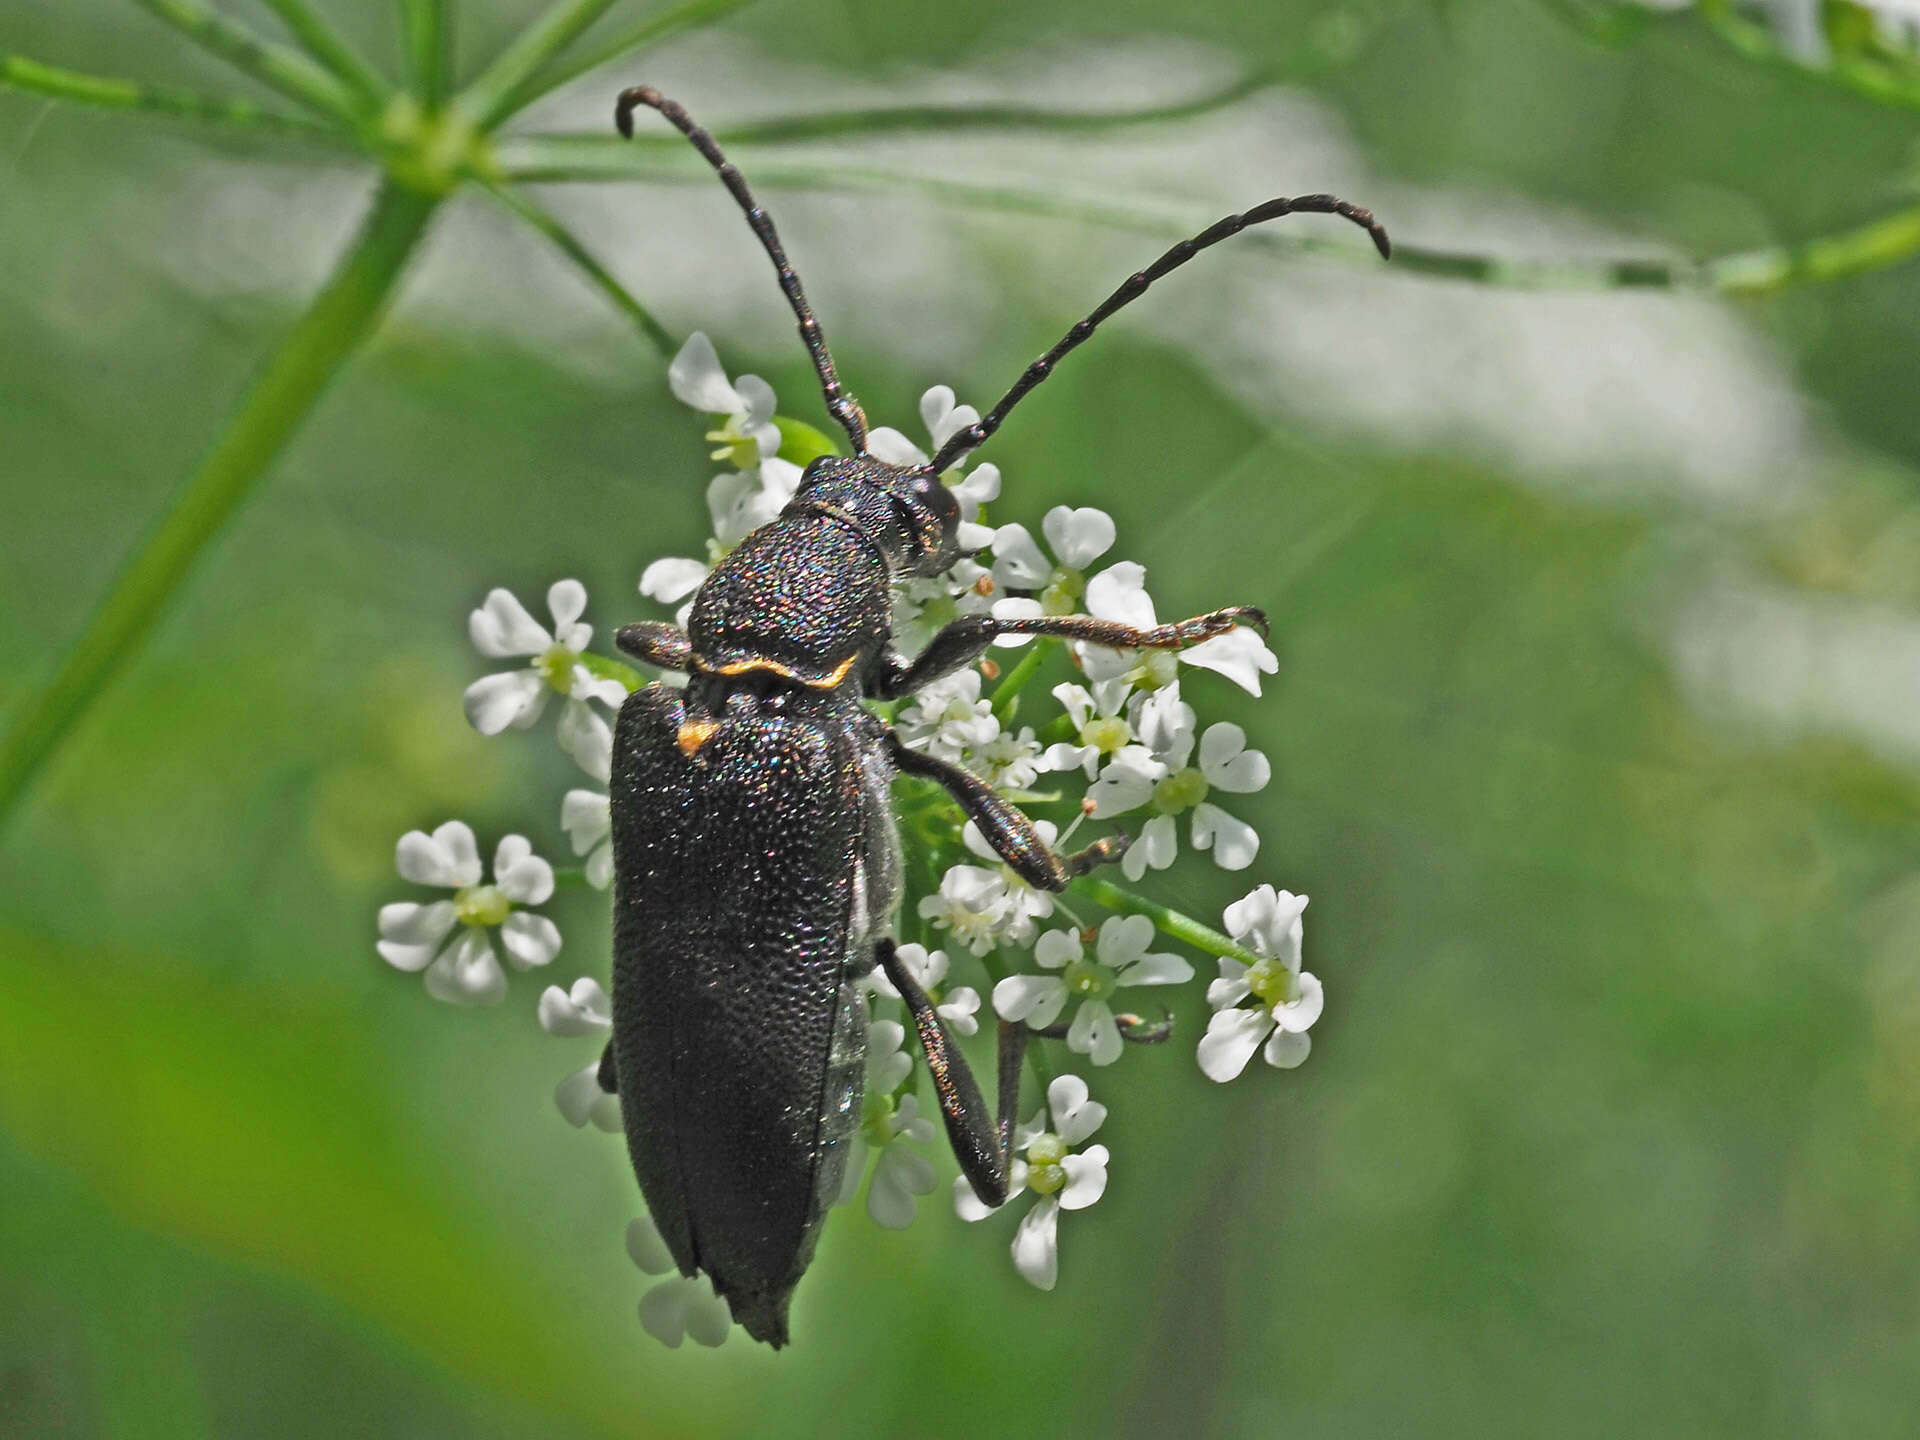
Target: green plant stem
(1878, 81)
(427, 30)
(493, 96)
(648, 32)
(602, 278)
(326, 45)
(1747, 274)
(1006, 695)
(102, 92)
(287, 71)
(285, 393)
(1168, 921)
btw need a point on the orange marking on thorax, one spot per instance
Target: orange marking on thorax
(693, 734)
(833, 679)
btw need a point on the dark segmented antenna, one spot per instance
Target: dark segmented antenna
(973, 436)
(842, 406)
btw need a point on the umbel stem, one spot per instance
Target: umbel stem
(285, 393)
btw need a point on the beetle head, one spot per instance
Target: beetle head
(907, 511)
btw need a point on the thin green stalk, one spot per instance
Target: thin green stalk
(330, 48)
(649, 31)
(1006, 695)
(602, 278)
(493, 96)
(427, 32)
(1168, 921)
(1877, 81)
(287, 71)
(608, 668)
(1878, 244)
(340, 318)
(105, 93)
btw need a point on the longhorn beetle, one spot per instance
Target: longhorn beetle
(756, 861)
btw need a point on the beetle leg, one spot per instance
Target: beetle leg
(981, 1146)
(657, 643)
(967, 638)
(1009, 831)
(1134, 1029)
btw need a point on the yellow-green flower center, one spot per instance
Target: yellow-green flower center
(1108, 734)
(1180, 791)
(876, 1119)
(1045, 1174)
(1063, 591)
(1156, 670)
(481, 905)
(556, 668)
(1088, 979)
(1271, 982)
(738, 450)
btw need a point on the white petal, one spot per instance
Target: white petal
(1018, 563)
(1228, 764)
(522, 876)
(887, 1063)
(646, 1249)
(1157, 848)
(1086, 1178)
(466, 972)
(600, 867)
(1268, 922)
(890, 445)
(972, 537)
(585, 685)
(709, 1318)
(567, 599)
(756, 396)
(578, 1094)
(980, 487)
(1231, 988)
(529, 939)
(665, 1308)
(1062, 757)
(1037, 999)
(1166, 725)
(586, 738)
(959, 1008)
(1119, 593)
(1036, 1245)
(1232, 1037)
(501, 627)
(855, 1171)
(407, 924)
(1094, 1034)
(1123, 939)
(696, 379)
(900, 1175)
(1056, 949)
(1287, 1049)
(967, 1205)
(1078, 537)
(1015, 607)
(1298, 1014)
(1240, 655)
(1234, 842)
(584, 1010)
(1075, 1117)
(448, 857)
(511, 698)
(671, 580)
(587, 817)
(1158, 969)
(1126, 783)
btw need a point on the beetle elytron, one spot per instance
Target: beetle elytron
(756, 864)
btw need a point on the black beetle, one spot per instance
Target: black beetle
(756, 864)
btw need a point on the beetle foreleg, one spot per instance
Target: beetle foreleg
(967, 638)
(657, 643)
(1007, 830)
(1134, 1029)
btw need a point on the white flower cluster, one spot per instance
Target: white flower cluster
(1122, 741)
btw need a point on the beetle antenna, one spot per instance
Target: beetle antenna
(972, 436)
(842, 406)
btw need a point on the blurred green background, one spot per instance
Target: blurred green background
(1597, 744)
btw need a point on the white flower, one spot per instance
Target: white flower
(942, 418)
(925, 604)
(501, 628)
(957, 1006)
(746, 434)
(1121, 959)
(583, 1010)
(1021, 904)
(899, 1173)
(1120, 593)
(587, 817)
(463, 970)
(581, 1100)
(1010, 761)
(680, 1306)
(972, 904)
(948, 719)
(1272, 1000)
(1078, 537)
(1166, 723)
(1060, 1178)
(1101, 727)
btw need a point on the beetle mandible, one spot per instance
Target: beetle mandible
(756, 864)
